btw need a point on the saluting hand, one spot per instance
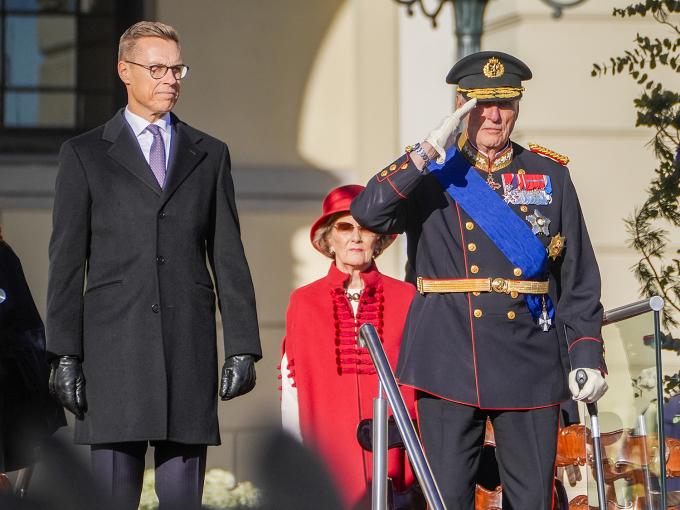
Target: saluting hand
(442, 137)
(67, 385)
(238, 376)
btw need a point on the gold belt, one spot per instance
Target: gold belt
(482, 285)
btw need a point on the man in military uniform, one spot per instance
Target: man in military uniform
(506, 273)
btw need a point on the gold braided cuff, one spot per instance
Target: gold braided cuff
(425, 285)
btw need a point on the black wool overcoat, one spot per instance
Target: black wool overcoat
(144, 324)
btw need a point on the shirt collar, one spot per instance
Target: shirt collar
(138, 124)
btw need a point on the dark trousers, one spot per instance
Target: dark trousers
(179, 473)
(526, 446)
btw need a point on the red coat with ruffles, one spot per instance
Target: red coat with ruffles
(336, 380)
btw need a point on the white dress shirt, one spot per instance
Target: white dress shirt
(145, 138)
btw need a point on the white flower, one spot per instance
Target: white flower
(220, 492)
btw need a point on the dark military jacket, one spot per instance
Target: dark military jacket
(484, 348)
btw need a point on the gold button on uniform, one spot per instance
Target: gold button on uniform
(472, 246)
(383, 173)
(393, 167)
(524, 208)
(520, 171)
(469, 225)
(476, 293)
(511, 315)
(514, 294)
(517, 271)
(474, 269)
(478, 313)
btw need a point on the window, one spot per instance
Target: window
(58, 75)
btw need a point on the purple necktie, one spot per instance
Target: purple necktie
(157, 154)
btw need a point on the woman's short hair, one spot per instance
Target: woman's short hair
(322, 234)
(126, 46)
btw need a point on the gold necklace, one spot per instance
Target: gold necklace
(353, 296)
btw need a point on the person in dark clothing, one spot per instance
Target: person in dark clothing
(499, 252)
(28, 415)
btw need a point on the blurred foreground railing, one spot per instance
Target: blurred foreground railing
(368, 337)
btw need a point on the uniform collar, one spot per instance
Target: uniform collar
(370, 276)
(480, 160)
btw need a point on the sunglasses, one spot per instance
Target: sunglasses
(345, 228)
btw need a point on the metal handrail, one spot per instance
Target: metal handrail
(368, 337)
(631, 310)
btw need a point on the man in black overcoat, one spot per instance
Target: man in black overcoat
(507, 280)
(141, 204)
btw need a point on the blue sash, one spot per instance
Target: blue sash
(505, 228)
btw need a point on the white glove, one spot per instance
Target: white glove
(448, 129)
(592, 390)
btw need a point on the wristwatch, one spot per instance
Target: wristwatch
(420, 151)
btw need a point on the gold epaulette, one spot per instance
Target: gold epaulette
(548, 153)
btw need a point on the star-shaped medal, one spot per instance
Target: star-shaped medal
(539, 223)
(556, 246)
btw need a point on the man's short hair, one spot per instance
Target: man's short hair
(128, 40)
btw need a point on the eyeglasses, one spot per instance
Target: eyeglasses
(158, 71)
(345, 228)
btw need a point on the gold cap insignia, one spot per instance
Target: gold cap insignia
(493, 68)
(556, 246)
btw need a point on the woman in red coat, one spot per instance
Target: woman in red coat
(329, 383)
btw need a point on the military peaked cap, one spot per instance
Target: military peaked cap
(489, 76)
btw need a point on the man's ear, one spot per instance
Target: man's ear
(123, 70)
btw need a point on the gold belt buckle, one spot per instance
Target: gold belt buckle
(500, 285)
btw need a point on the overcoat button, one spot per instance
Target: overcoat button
(524, 208)
(478, 313)
(514, 294)
(517, 271)
(476, 293)
(474, 269)
(511, 315)
(161, 214)
(472, 246)
(160, 260)
(469, 225)
(155, 308)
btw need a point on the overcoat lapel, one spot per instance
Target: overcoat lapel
(184, 158)
(126, 151)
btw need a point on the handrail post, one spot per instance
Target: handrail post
(657, 303)
(380, 451)
(368, 337)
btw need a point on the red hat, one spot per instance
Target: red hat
(336, 201)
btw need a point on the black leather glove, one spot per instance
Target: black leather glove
(67, 384)
(238, 376)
